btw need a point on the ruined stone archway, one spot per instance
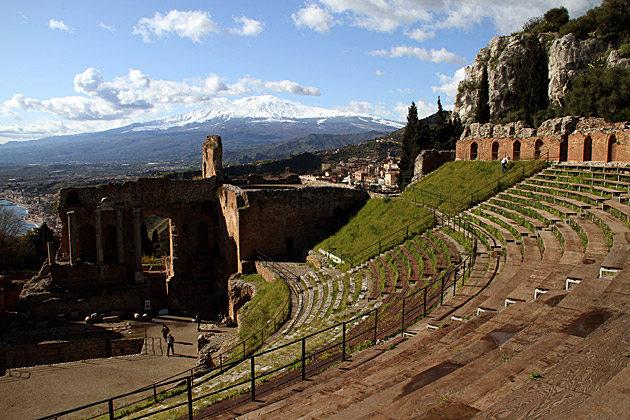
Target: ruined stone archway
(587, 151)
(612, 149)
(538, 148)
(474, 150)
(516, 150)
(495, 150)
(563, 153)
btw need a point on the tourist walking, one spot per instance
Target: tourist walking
(170, 345)
(504, 163)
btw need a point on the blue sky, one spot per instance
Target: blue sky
(80, 66)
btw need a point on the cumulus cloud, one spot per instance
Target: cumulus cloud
(249, 27)
(195, 25)
(284, 86)
(185, 24)
(314, 17)
(420, 35)
(58, 24)
(448, 84)
(135, 95)
(388, 15)
(107, 27)
(433, 55)
(379, 73)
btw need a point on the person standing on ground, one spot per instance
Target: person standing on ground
(165, 331)
(504, 163)
(198, 321)
(170, 345)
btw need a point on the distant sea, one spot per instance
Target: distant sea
(20, 211)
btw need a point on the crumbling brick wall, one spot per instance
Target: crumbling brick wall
(561, 139)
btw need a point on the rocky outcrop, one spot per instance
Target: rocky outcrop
(568, 57)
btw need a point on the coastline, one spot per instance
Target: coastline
(30, 221)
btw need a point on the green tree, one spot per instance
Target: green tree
(482, 110)
(554, 19)
(532, 81)
(601, 92)
(410, 144)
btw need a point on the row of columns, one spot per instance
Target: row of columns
(72, 240)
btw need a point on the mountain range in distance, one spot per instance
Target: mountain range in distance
(251, 124)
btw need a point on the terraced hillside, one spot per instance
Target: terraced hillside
(522, 303)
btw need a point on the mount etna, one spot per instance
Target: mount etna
(243, 125)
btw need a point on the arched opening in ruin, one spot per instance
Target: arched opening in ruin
(155, 240)
(587, 155)
(495, 150)
(563, 155)
(538, 148)
(612, 149)
(86, 245)
(473, 150)
(156, 247)
(516, 150)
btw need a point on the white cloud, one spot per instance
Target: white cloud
(249, 27)
(107, 27)
(192, 24)
(313, 17)
(379, 73)
(22, 15)
(448, 84)
(420, 35)
(388, 15)
(435, 56)
(284, 86)
(132, 97)
(404, 90)
(57, 24)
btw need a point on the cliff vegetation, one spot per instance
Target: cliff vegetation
(553, 67)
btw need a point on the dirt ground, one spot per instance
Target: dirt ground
(29, 393)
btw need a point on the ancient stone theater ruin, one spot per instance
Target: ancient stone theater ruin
(216, 230)
(570, 139)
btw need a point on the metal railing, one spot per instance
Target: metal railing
(455, 205)
(414, 228)
(360, 331)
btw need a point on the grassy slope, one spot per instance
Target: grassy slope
(457, 180)
(382, 217)
(378, 218)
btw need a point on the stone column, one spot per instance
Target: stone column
(72, 238)
(99, 237)
(120, 242)
(51, 253)
(137, 239)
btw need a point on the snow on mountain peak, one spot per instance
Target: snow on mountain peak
(255, 107)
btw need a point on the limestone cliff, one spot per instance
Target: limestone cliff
(567, 58)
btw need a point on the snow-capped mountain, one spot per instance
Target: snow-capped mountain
(242, 123)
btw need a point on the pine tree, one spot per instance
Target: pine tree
(482, 111)
(532, 81)
(410, 145)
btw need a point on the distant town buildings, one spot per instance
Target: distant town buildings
(379, 176)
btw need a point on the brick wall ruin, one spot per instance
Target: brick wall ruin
(570, 139)
(215, 231)
(429, 160)
(67, 351)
